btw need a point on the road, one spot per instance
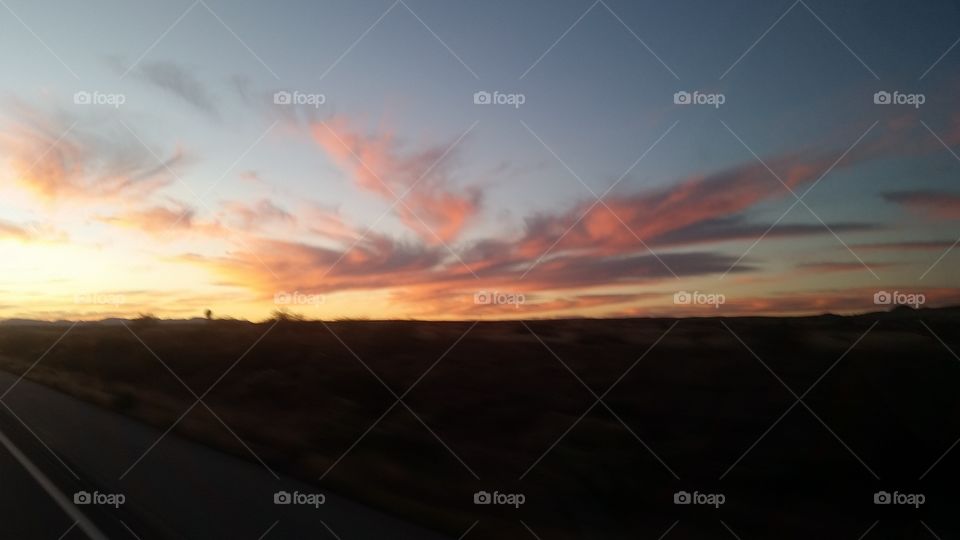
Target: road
(31, 506)
(53, 446)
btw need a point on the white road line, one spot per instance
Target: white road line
(65, 503)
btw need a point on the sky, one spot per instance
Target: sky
(439, 159)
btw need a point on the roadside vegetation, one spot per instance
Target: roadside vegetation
(301, 393)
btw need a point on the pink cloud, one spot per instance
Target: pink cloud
(57, 161)
(11, 230)
(431, 206)
(253, 217)
(598, 251)
(154, 219)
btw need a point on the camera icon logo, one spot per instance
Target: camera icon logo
(882, 497)
(82, 98)
(682, 98)
(282, 497)
(482, 497)
(282, 98)
(482, 298)
(482, 98)
(882, 98)
(682, 298)
(682, 497)
(82, 497)
(882, 298)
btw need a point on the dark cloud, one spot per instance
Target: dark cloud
(180, 82)
(928, 203)
(737, 228)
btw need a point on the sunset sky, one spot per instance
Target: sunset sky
(148, 165)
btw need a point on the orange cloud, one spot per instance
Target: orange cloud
(253, 217)
(429, 206)
(328, 223)
(57, 161)
(598, 251)
(10, 230)
(155, 219)
(701, 209)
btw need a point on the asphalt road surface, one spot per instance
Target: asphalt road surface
(31, 506)
(57, 452)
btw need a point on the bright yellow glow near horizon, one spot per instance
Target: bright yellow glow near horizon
(55, 280)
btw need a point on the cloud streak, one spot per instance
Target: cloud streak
(431, 205)
(56, 160)
(600, 249)
(181, 83)
(157, 220)
(928, 203)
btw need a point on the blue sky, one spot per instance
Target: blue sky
(245, 174)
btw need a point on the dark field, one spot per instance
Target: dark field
(685, 405)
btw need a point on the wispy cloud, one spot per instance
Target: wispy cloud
(55, 159)
(910, 245)
(181, 82)
(155, 219)
(432, 205)
(598, 250)
(928, 203)
(11, 230)
(701, 209)
(255, 216)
